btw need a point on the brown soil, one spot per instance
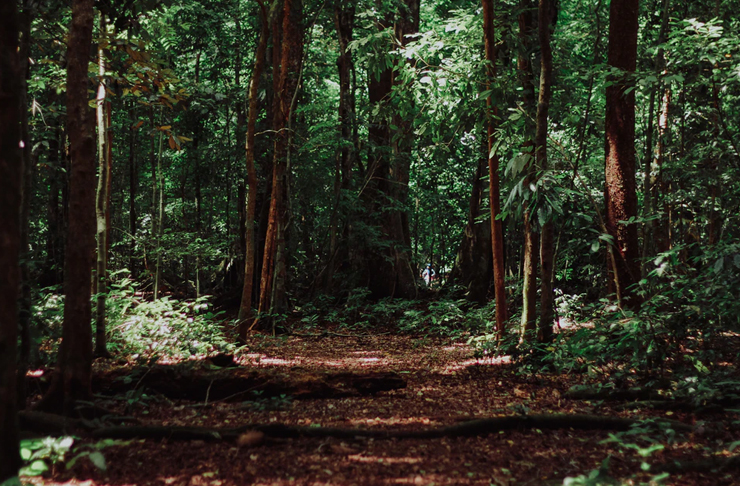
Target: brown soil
(446, 385)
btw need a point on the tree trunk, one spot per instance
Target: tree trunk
(344, 18)
(387, 266)
(102, 201)
(473, 268)
(245, 308)
(71, 379)
(159, 185)
(272, 288)
(29, 171)
(651, 237)
(531, 237)
(11, 180)
(620, 194)
(659, 189)
(133, 184)
(494, 196)
(547, 251)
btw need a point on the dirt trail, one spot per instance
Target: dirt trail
(445, 385)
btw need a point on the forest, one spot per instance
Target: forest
(369, 242)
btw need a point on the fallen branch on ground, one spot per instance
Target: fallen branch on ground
(471, 428)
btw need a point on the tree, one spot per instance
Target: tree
(272, 286)
(531, 236)
(71, 379)
(620, 194)
(344, 19)
(545, 15)
(11, 170)
(102, 198)
(387, 266)
(245, 309)
(494, 196)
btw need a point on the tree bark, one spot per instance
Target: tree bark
(344, 18)
(11, 179)
(531, 236)
(473, 268)
(133, 185)
(245, 308)
(272, 287)
(652, 235)
(159, 191)
(29, 171)
(102, 207)
(387, 264)
(620, 194)
(71, 379)
(494, 196)
(547, 251)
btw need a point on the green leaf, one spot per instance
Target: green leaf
(98, 460)
(36, 468)
(14, 481)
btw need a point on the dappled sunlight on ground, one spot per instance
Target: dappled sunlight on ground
(384, 460)
(377, 421)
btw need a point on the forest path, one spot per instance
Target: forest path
(445, 385)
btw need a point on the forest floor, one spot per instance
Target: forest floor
(445, 385)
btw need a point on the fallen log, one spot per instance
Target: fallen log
(198, 383)
(470, 428)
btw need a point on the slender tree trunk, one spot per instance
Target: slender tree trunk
(272, 288)
(621, 196)
(494, 197)
(159, 181)
(547, 250)
(245, 309)
(531, 237)
(102, 201)
(659, 189)
(29, 171)
(71, 379)
(11, 180)
(198, 203)
(650, 238)
(153, 170)
(133, 185)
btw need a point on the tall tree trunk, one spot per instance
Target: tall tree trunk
(71, 379)
(531, 236)
(159, 184)
(473, 268)
(29, 171)
(11, 179)
(546, 13)
(658, 186)
(102, 199)
(494, 196)
(344, 18)
(651, 168)
(245, 308)
(133, 185)
(272, 288)
(53, 274)
(620, 194)
(388, 266)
